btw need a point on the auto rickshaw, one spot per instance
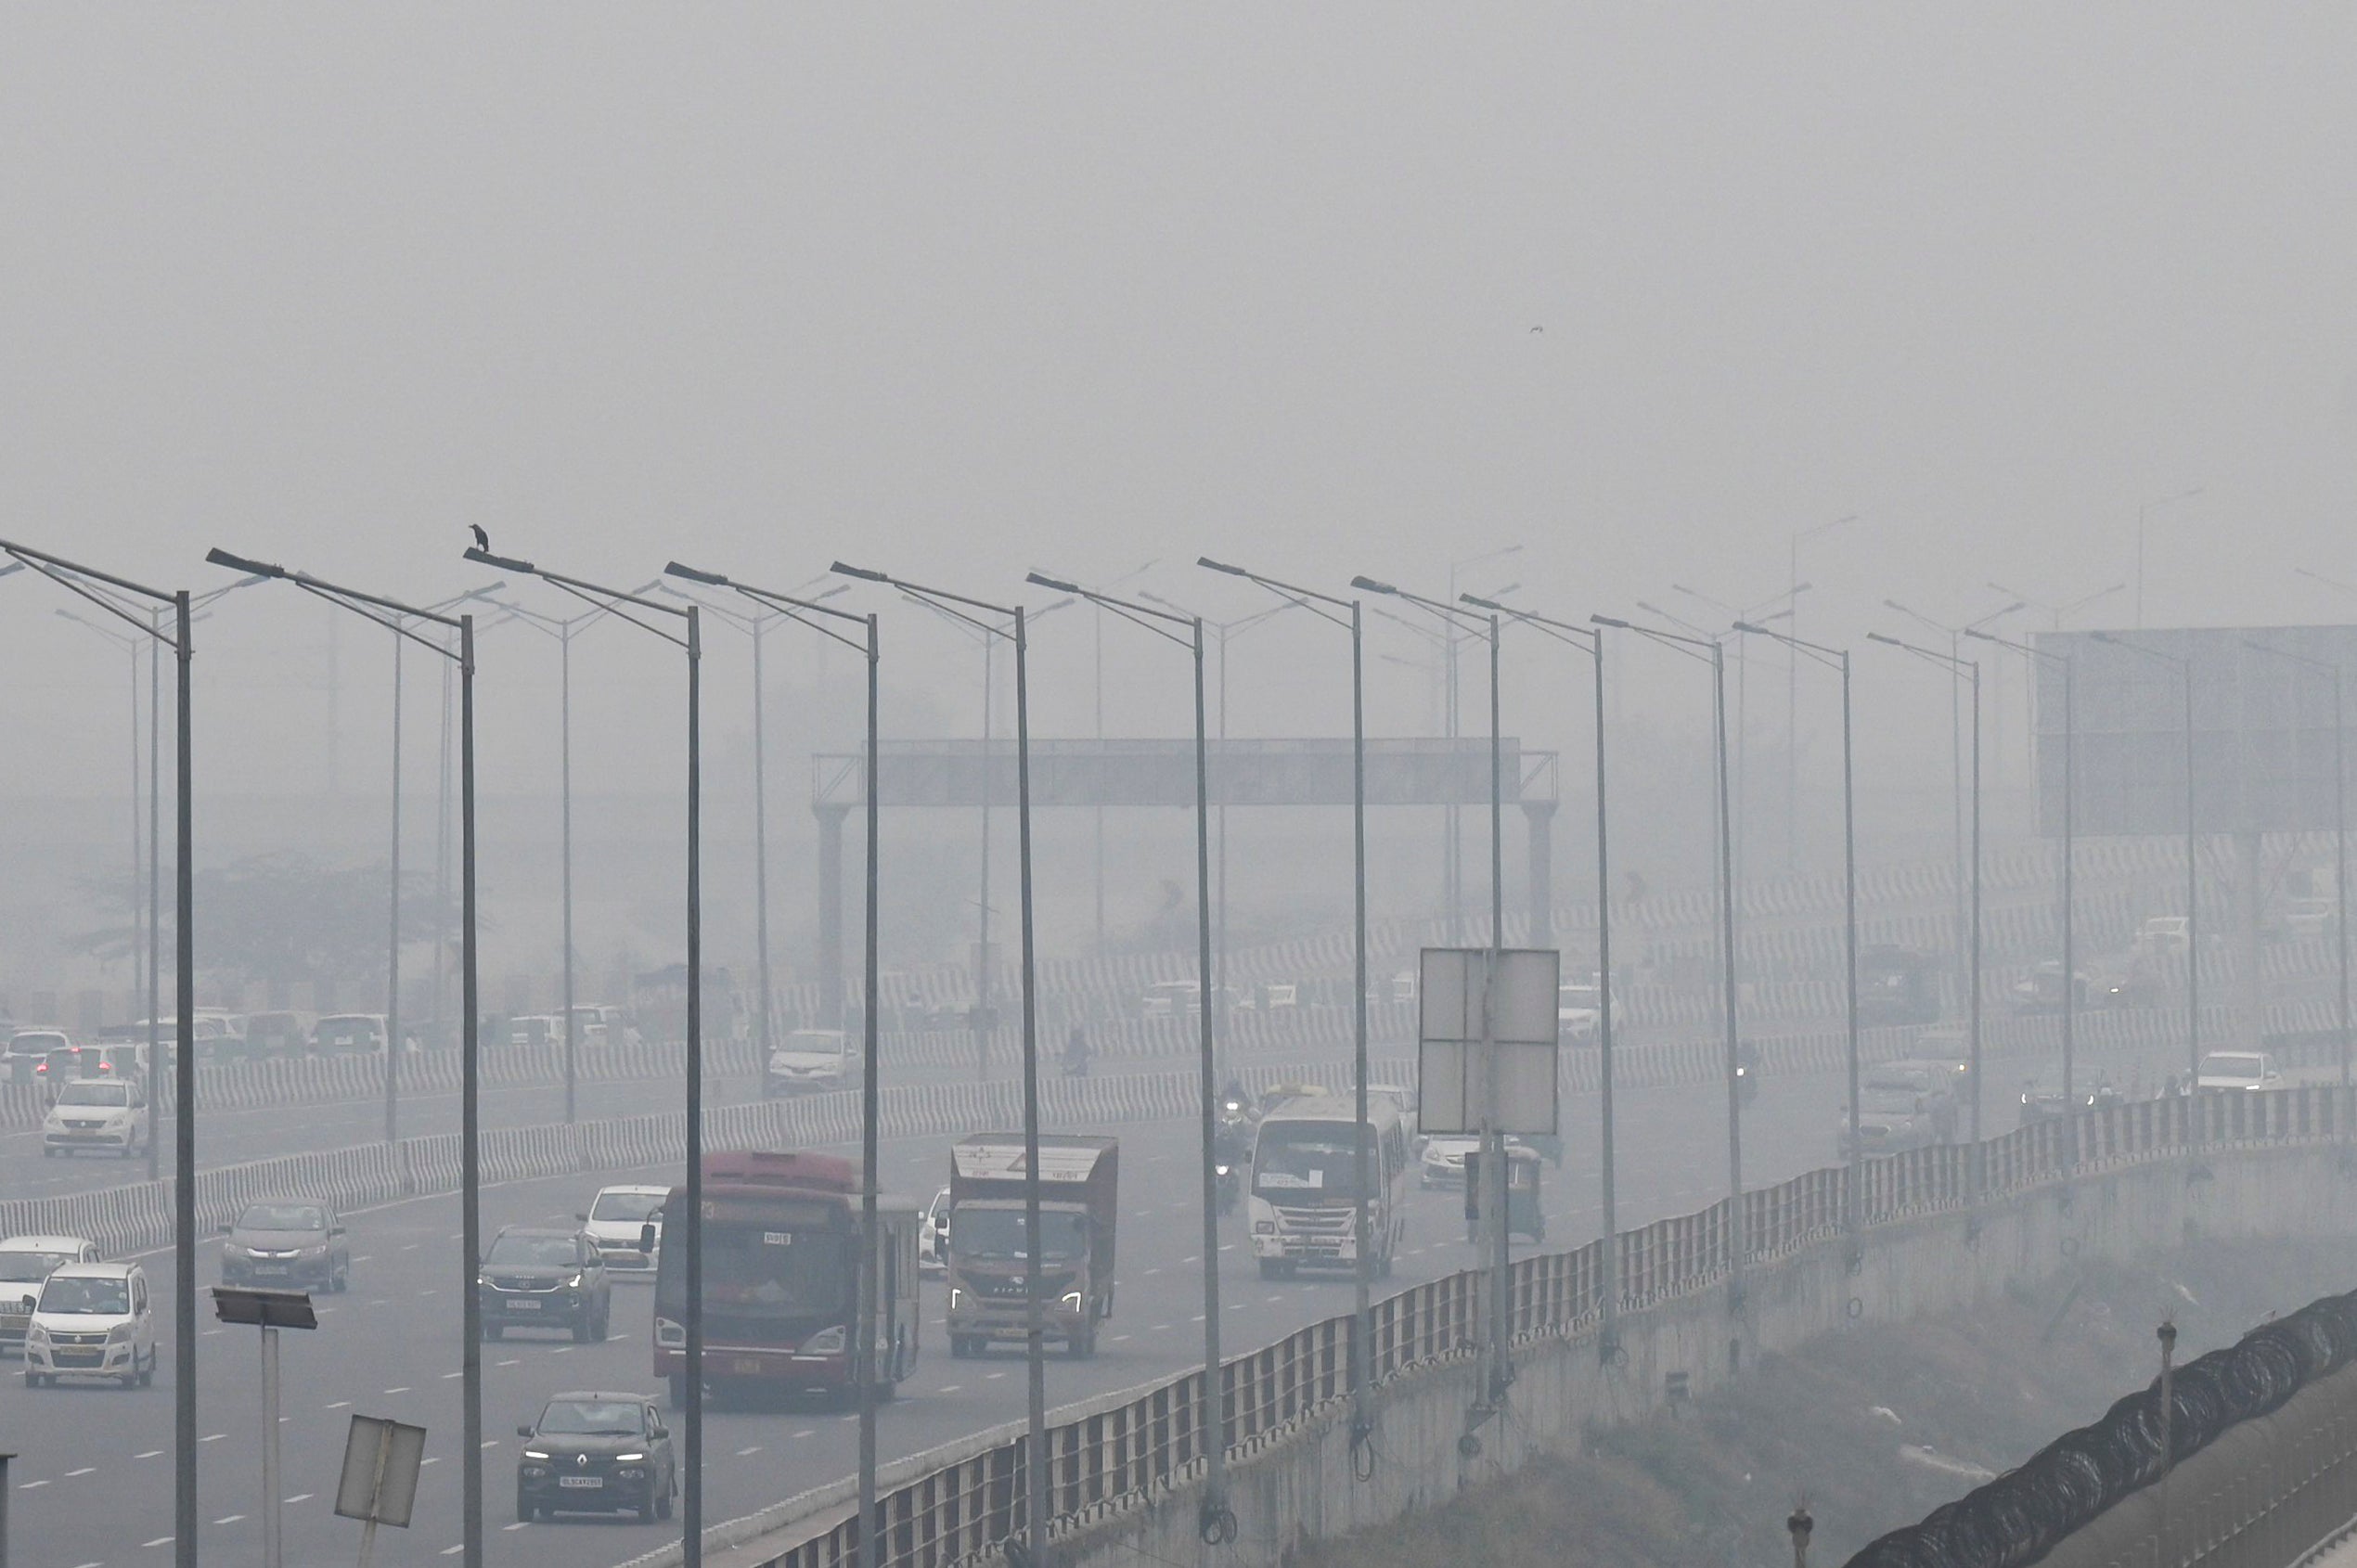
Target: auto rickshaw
(1522, 1215)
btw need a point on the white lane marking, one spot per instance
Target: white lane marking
(434, 1293)
(1116, 1340)
(447, 1376)
(207, 1334)
(363, 1258)
(403, 1389)
(229, 1519)
(214, 1438)
(300, 1498)
(153, 1453)
(32, 1487)
(1159, 1328)
(949, 1388)
(159, 1541)
(1275, 1299)
(411, 1246)
(433, 1459)
(512, 1361)
(564, 1348)
(1153, 1271)
(85, 1470)
(993, 1376)
(1195, 1260)
(453, 1551)
(748, 1453)
(806, 1431)
(341, 1405)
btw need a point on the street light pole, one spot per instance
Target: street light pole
(816, 617)
(1837, 659)
(2144, 512)
(1216, 1523)
(396, 616)
(1591, 641)
(1711, 652)
(688, 640)
(1009, 623)
(117, 597)
(1792, 698)
(1345, 614)
(1970, 669)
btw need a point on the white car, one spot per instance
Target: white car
(932, 1236)
(614, 1224)
(93, 1320)
(1443, 1162)
(811, 1061)
(2238, 1070)
(103, 1113)
(25, 1261)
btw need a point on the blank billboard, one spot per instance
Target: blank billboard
(2262, 728)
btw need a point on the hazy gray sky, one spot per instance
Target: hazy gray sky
(962, 292)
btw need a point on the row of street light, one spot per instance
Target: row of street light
(448, 630)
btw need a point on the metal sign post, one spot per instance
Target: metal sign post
(269, 1311)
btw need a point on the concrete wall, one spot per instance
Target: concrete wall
(1303, 1485)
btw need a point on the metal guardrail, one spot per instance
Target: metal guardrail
(1144, 1448)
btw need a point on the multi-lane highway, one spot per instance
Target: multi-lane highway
(94, 1484)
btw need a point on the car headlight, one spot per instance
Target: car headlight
(1072, 1300)
(318, 1251)
(826, 1342)
(629, 1458)
(36, 1335)
(119, 1334)
(533, 1454)
(1221, 1171)
(1264, 1227)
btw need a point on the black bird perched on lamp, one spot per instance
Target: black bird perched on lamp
(482, 540)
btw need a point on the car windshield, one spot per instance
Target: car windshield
(89, 1093)
(625, 1207)
(102, 1297)
(2230, 1067)
(1001, 1233)
(1889, 1101)
(33, 1045)
(534, 1251)
(27, 1267)
(591, 1418)
(347, 1031)
(282, 1216)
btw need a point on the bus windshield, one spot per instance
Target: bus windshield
(751, 1268)
(1306, 1158)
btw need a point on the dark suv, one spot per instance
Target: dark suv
(596, 1453)
(287, 1242)
(544, 1279)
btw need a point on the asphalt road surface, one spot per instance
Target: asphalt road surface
(93, 1487)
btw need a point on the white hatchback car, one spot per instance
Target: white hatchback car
(93, 1320)
(25, 1261)
(101, 1113)
(615, 1224)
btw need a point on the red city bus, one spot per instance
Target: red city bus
(781, 1255)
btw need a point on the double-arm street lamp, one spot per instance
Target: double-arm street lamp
(1010, 622)
(1837, 659)
(2340, 829)
(1347, 614)
(827, 621)
(126, 600)
(1713, 652)
(1969, 669)
(1216, 1523)
(1591, 641)
(2183, 666)
(687, 1387)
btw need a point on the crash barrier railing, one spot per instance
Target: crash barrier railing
(2025, 1514)
(1143, 1445)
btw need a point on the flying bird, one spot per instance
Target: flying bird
(482, 540)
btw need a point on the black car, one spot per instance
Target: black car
(288, 1244)
(544, 1279)
(596, 1453)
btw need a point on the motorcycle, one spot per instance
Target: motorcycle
(1747, 1084)
(1232, 1185)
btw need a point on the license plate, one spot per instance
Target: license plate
(570, 1480)
(77, 1357)
(270, 1268)
(745, 1367)
(523, 1307)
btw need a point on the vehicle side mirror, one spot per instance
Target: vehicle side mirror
(523, 1432)
(647, 1236)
